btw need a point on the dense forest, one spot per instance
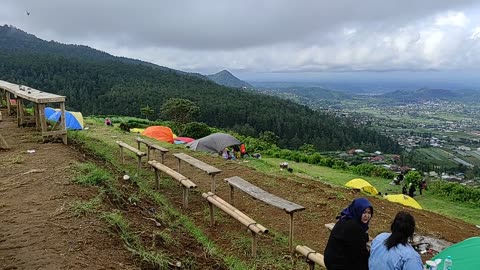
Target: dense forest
(98, 83)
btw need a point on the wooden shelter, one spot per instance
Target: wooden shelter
(15, 94)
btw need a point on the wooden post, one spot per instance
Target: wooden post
(148, 152)
(162, 154)
(213, 183)
(156, 177)
(212, 220)
(311, 265)
(254, 244)
(290, 235)
(185, 197)
(138, 145)
(19, 111)
(121, 153)
(9, 106)
(139, 165)
(36, 113)
(178, 165)
(64, 122)
(232, 193)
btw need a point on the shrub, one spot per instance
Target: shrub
(196, 130)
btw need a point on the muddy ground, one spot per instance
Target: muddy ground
(39, 231)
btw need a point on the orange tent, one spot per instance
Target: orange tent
(160, 133)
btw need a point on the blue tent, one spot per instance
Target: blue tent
(74, 119)
(49, 111)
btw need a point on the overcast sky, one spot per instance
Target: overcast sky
(262, 37)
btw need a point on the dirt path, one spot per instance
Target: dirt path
(37, 228)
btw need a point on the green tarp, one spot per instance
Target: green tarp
(465, 255)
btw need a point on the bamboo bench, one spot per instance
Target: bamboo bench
(152, 146)
(312, 256)
(210, 170)
(139, 154)
(251, 224)
(264, 196)
(186, 183)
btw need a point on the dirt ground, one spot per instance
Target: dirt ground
(38, 231)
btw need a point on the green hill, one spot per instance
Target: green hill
(98, 83)
(226, 78)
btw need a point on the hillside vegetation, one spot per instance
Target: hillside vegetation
(97, 83)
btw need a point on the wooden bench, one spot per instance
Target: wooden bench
(186, 183)
(139, 153)
(251, 224)
(152, 146)
(264, 196)
(312, 256)
(210, 170)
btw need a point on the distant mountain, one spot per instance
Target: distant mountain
(421, 95)
(95, 82)
(226, 78)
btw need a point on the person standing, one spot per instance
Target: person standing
(411, 190)
(391, 251)
(347, 245)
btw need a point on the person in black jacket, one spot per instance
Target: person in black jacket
(347, 246)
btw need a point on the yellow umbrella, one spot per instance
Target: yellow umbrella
(403, 199)
(359, 183)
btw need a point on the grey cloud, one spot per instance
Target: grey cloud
(210, 25)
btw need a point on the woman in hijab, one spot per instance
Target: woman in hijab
(347, 245)
(391, 251)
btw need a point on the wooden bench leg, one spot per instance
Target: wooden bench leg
(123, 157)
(178, 165)
(232, 193)
(212, 219)
(185, 197)
(290, 235)
(148, 153)
(156, 178)
(162, 156)
(213, 184)
(254, 244)
(311, 265)
(139, 165)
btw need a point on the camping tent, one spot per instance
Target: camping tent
(361, 184)
(74, 120)
(213, 143)
(160, 133)
(403, 199)
(182, 140)
(464, 254)
(49, 111)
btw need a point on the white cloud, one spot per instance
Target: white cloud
(451, 19)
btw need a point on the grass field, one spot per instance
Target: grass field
(430, 202)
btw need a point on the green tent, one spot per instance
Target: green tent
(465, 254)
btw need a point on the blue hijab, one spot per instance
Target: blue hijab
(355, 211)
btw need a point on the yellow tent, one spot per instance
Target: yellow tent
(403, 199)
(137, 130)
(361, 184)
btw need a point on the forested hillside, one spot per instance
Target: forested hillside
(110, 85)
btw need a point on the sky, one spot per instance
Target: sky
(269, 39)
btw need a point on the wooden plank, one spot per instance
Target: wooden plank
(263, 195)
(31, 94)
(198, 164)
(54, 133)
(177, 176)
(131, 148)
(151, 145)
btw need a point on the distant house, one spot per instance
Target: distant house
(351, 152)
(378, 158)
(377, 153)
(464, 148)
(358, 151)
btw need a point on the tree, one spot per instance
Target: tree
(179, 110)
(307, 148)
(269, 137)
(146, 111)
(413, 177)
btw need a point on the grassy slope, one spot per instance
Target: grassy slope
(465, 212)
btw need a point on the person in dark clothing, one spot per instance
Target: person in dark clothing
(411, 190)
(404, 190)
(347, 245)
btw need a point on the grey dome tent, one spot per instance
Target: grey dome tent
(213, 143)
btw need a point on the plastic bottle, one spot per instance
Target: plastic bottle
(447, 263)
